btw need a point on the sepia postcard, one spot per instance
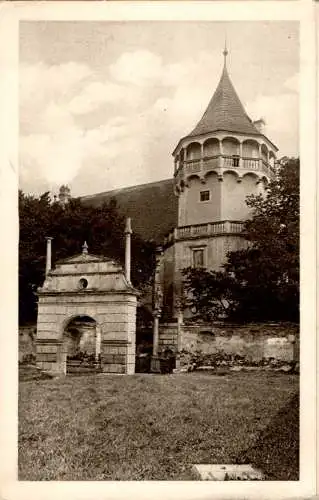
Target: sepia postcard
(158, 209)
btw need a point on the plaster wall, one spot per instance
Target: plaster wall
(215, 250)
(233, 196)
(97, 279)
(194, 211)
(254, 341)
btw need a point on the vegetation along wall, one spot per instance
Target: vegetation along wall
(252, 341)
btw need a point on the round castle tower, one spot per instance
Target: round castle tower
(223, 160)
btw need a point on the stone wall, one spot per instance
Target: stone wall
(254, 341)
(27, 335)
(115, 316)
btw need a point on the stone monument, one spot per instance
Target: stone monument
(96, 289)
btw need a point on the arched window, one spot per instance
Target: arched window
(194, 151)
(231, 146)
(250, 149)
(211, 147)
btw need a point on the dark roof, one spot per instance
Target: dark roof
(152, 207)
(225, 112)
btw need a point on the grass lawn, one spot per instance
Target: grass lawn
(143, 427)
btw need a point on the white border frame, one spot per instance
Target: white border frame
(10, 14)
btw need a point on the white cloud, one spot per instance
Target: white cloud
(39, 82)
(280, 113)
(94, 95)
(139, 116)
(138, 67)
(56, 157)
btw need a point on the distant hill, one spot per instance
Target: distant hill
(152, 207)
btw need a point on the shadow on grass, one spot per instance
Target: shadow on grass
(31, 372)
(276, 451)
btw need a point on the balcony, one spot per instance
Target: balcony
(250, 163)
(200, 166)
(202, 230)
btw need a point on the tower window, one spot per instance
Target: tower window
(204, 195)
(198, 257)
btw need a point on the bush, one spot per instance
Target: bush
(221, 359)
(28, 359)
(84, 357)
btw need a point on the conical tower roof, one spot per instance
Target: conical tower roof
(225, 111)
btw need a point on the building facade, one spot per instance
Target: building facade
(86, 304)
(224, 159)
(198, 216)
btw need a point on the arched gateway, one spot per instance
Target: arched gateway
(92, 300)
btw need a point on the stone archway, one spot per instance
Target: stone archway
(86, 304)
(81, 344)
(80, 335)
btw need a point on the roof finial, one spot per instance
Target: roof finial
(225, 51)
(85, 247)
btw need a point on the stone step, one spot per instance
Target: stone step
(227, 472)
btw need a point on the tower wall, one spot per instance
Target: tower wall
(192, 210)
(233, 204)
(179, 256)
(223, 160)
(215, 249)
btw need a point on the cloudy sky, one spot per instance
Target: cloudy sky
(103, 104)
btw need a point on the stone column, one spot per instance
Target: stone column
(156, 316)
(294, 342)
(260, 157)
(157, 309)
(202, 161)
(241, 162)
(221, 152)
(179, 334)
(155, 361)
(48, 263)
(128, 232)
(97, 342)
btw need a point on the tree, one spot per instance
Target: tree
(209, 293)
(70, 225)
(260, 282)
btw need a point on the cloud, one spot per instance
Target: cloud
(280, 113)
(40, 81)
(94, 95)
(56, 157)
(96, 132)
(138, 68)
